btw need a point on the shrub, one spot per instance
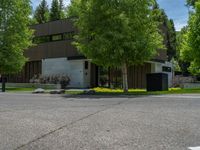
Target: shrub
(63, 80)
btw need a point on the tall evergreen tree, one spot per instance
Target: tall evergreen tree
(57, 10)
(15, 34)
(171, 40)
(167, 29)
(41, 14)
(116, 33)
(61, 4)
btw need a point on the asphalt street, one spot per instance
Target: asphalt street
(55, 122)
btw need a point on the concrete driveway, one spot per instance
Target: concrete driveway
(44, 122)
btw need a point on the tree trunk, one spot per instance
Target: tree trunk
(125, 78)
(3, 83)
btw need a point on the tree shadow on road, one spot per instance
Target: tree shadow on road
(100, 96)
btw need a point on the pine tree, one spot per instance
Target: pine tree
(167, 29)
(41, 14)
(171, 40)
(57, 10)
(62, 9)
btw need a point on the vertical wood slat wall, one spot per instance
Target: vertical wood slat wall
(137, 75)
(30, 69)
(94, 75)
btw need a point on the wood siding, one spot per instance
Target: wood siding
(53, 27)
(30, 69)
(53, 49)
(57, 49)
(94, 75)
(64, 48)
(137, 76)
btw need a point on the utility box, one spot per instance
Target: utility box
(157, 82)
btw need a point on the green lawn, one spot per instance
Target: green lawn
(144, 92)
(107, 91)
(18, 90)
(12, 89)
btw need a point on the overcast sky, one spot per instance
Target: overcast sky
(175, 10)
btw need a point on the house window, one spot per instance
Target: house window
(166, 69)
(110, 77)
(41, 39)
(57, 37)
(86, 65)
(69, 35)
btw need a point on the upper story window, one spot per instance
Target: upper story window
(69, 35)
(57, 37)
(41, 39)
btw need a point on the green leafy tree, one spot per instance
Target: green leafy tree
(15, 35)
(183, 53)
(194, 69)
(41, 14)
(183, 46)
(116, 33)
(193, 37)
(189, 47)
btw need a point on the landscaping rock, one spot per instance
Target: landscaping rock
(39, 91)
(61, 91)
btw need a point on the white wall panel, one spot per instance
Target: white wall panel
(73, 68)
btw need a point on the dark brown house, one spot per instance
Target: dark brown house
(54, 54)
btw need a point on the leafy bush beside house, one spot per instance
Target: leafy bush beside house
(63, 80)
